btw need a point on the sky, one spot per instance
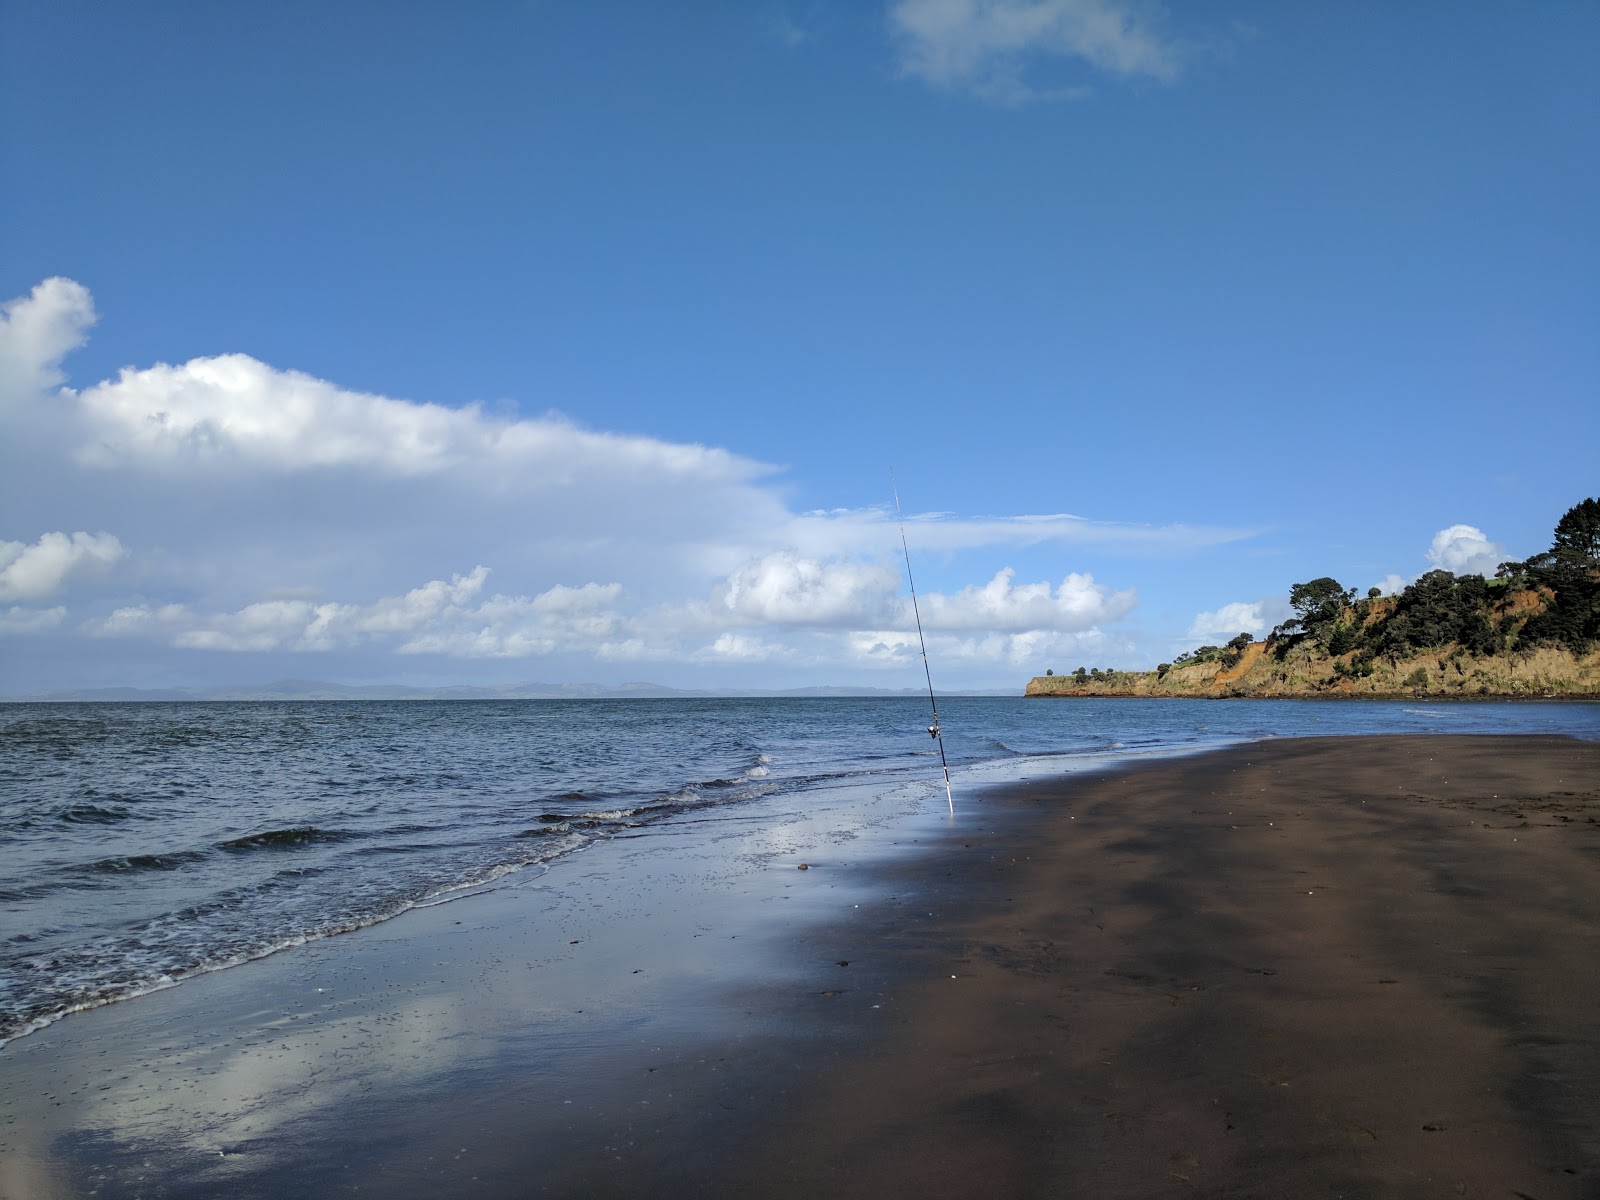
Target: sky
(482, 343)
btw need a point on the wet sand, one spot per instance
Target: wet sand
(1328, 967)
(1352, 966)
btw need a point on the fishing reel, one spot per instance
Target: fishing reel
(933, 730)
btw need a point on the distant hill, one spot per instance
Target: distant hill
(1533, 630)
(310, 689)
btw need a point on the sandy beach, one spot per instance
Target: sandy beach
(1334, 967)
(1315, 967)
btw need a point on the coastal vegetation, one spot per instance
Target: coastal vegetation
(1531, 630)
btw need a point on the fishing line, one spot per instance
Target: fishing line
(934, 731)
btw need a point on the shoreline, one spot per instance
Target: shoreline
(642, 1029)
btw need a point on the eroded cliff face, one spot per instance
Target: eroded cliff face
(1305, 671)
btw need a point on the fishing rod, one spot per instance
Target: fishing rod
(933, 730)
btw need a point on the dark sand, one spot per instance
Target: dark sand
(1327, 967)
(1330, 967)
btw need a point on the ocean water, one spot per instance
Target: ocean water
(142, 844)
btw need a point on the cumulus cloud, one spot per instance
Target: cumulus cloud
(785, 589)
(1390, 584)
(988, 45)
(1465, 550)
(439, 617)
(298, 624)
(1077, 603)
(560, 618)
(39, 571)
(1229, 621)
(234, 411)
(37, 331)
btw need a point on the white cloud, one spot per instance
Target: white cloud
(38, 571)
(37, 331)
(786, 589)
(18, 620)
(561, 618)
(1229, 621)
(1026, 649)
(741, 647)
(1464, 550)
(876, 531)
(987, 45)
(233, 411)
(439, 617)
(1390, 584)
(297, 624)
(1078, 603)
(270, 508)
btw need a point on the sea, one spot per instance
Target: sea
(142, 844)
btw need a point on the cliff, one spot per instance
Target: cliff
(1306, 670)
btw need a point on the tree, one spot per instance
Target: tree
(1319, 604)
(1577, 540)
(1320, 600)
(1570, 572)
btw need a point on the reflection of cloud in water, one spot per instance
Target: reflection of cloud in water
(532, 996)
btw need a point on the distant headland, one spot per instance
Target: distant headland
(1531, 631)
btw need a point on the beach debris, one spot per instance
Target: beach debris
(844, 962)
(804, 867)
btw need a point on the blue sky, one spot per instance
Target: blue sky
(577, 341)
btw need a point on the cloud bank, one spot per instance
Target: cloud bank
(241, 508)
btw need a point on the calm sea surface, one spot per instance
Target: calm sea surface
(144, 843)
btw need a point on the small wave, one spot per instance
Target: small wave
(147, 862)
(93, 814)
(546, 830)
(285, 839)
(757, 772)
(609, 814)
